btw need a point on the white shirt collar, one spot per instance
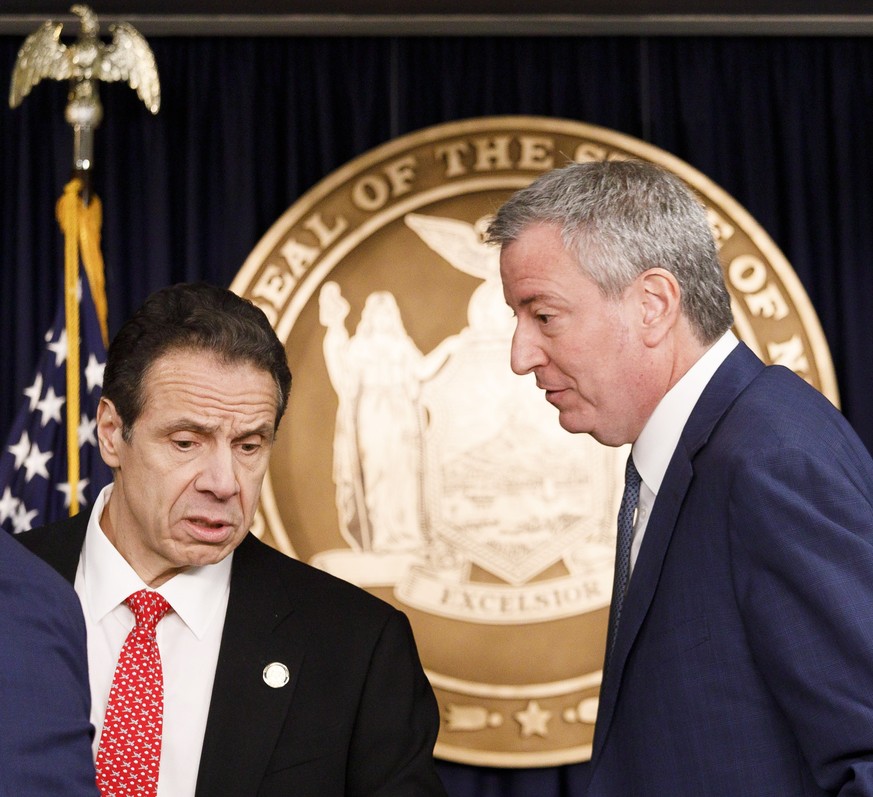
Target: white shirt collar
(654, 448)
(108, 579)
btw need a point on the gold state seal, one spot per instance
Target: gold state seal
(415, 464)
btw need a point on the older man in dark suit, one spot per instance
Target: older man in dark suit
(252, 673)
(740, 655)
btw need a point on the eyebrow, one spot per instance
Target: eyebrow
(187, 425)
(537, 297)
(265, 430)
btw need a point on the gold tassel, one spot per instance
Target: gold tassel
(81, 227)
(90, 222)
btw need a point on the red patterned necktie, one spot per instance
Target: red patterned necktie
(129, 754)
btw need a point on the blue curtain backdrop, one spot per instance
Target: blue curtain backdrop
(248, 124)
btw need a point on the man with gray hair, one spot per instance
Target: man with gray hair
(740, 649)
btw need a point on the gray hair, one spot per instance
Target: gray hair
(621, 218)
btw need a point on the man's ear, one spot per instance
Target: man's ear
(109, 432)
(661, 304)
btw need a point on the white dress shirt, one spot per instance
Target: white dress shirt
(188, 640)
(654, 448)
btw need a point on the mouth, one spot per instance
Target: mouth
(552, 393)
(211, 530)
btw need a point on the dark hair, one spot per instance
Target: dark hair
(195, 317)
(620, 218)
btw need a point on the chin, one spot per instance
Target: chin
(199, 553)
(571, 424)
(575, 427)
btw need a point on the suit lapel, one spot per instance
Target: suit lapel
(731, 378)
(245, 715)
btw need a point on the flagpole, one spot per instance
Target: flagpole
(79, 212)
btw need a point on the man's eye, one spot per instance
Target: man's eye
(184, 445)
(250, 448)
(543, 318)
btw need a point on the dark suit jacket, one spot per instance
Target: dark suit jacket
(358, 716)
(743, 663)
(45, 699)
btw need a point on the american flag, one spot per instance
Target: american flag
(34, 487)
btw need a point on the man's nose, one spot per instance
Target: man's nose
(218, 474)
(526, 353)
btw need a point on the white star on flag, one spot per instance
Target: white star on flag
(35, 463)
(94, 373)
(20, 450)
(64, 488)
(8, 504)
(59, 348)
(50, 407)
(34, 392)
(22, 518)
(87, 426)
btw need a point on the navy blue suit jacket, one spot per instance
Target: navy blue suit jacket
(45, 699)
(743, 664)
(357, 717)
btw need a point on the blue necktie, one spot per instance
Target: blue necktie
(625, 534)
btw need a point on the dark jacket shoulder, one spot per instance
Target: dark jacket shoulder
(59, 543)
(305, 584)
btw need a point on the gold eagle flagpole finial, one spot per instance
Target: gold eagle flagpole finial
(84, 63)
